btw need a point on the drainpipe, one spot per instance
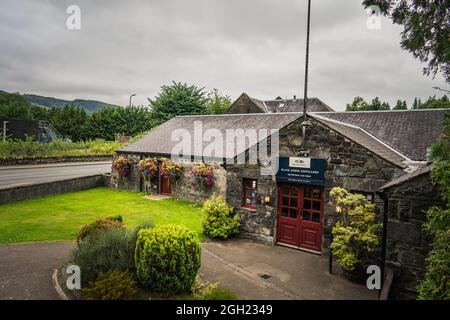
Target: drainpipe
(385, 198)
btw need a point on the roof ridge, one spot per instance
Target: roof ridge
(384, 111)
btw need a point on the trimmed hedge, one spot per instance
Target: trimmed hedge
(167, 258)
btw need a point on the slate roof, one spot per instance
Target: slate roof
(159, 140)
(296, 105)
(276, 106)
(410, 132)
(364, 139)
(395, 182)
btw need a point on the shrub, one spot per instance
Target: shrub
(219, 220)
(99, 226)
(112, 249)
(355, 234)
(167, 258)
(112, 285)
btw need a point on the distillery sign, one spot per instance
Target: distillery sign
(302, 170)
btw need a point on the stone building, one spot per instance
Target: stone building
(360, 151)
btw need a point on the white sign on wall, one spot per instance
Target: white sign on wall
(298, 162)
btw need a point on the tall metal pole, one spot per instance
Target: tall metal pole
(4, 130)
(305, 98)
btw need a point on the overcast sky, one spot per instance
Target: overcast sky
(252, 46)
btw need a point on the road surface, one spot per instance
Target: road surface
(15, 176)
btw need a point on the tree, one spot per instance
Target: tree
(217, 103)
(400, 105)
(426, 30)
(14, 106)
(176, 100)
(432, 103)
(436, 284)
(109, 121)
(70, 121)
(359, 104)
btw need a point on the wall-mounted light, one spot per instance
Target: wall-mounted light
(267, 199)
(338, 209)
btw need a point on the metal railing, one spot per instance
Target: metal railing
(50, 130)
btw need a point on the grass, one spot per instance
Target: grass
(31, 149)
(60, 217)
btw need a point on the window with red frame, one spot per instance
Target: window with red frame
(250, 193)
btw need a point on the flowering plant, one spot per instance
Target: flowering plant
(149, 168)
(171, 169)
(203, 175)
(123, 165)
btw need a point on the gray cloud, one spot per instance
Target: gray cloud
(256, 46)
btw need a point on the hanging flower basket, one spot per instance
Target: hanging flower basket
(202, 175)
(149, 168)
(123, 165)
(171, 169)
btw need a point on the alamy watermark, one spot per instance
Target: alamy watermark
(73, 21)
(232, 146)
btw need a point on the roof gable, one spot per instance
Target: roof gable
(410, 132)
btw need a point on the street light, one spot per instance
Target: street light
(130, 99)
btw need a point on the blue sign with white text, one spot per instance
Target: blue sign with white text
(301, 170)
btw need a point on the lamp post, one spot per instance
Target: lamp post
(131, 96)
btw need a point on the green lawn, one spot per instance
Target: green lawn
(60, 217)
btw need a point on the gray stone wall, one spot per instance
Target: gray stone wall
(259, 223)
(131, 182)
(349, 165)
(407, 244)
(181, 188)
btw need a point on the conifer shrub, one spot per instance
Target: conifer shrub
(219, 219)
(167, 258)
(111, 285)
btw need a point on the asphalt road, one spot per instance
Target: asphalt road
(15, 176)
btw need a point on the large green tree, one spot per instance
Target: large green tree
(14, 106)
(70, 121)
(217, 103)
(359, 104)
(178, 99)
(436, 284)
(426, 30)
(110, 121)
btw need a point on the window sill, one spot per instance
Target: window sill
(249, 208)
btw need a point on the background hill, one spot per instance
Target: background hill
(89, 106)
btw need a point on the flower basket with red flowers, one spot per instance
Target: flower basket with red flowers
(202, 175)
(149, 168)
(123, 165)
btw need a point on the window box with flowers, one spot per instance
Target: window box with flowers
(123, 165)
(202, 175)
(149, 168)
(171, 169)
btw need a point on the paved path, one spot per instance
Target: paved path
(15, 176)
(238, 265)
(26, 271)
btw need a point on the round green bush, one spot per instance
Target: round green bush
(99, 226)
(167, 258)
(219, 221)
(112, 285)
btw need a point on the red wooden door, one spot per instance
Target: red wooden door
(165, 185)
(300, 211)
(288, 214)
(311, 219)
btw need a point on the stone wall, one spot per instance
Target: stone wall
(349, 165)
(181, 188)
(13, 194)
(257, 224)
(407, 244)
